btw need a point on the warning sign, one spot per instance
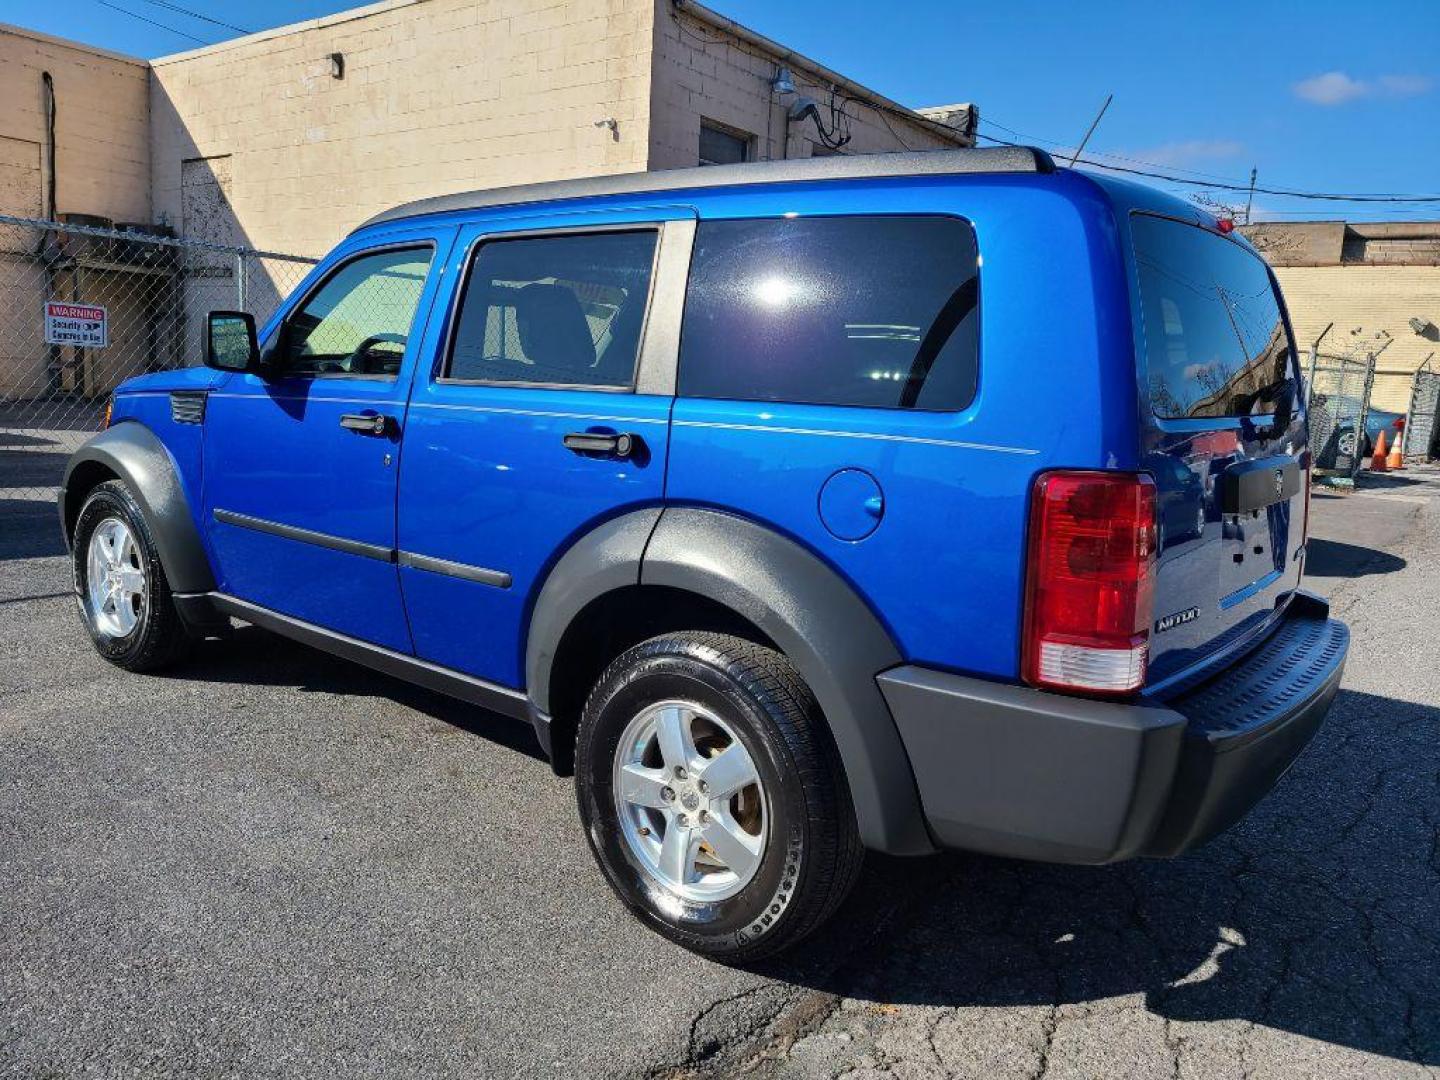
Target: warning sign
(85, 325)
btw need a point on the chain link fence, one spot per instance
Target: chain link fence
(1337, 401)
(82, 308)
(1422, 418)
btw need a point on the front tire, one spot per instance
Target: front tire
(121, 587)
(713, 797)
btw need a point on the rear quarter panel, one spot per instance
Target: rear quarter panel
(944, 568)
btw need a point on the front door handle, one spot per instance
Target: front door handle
(622, 445)
(366, 423)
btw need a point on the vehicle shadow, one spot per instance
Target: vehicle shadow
(1334, 558)
(255, 657)
(1316, 916)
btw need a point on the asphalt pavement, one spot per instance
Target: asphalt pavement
(272, 863)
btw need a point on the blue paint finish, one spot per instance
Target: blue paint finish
(944, 569)
(851, 504)
(146, 400)
(924, 514)
(1259, 585)
(275, 450)
(487, 481)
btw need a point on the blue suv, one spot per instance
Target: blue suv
(919, 501)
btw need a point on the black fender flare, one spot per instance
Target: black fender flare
(810, 612)
(132, 452)
(605, 559)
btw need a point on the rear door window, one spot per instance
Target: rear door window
(1215, 342)
(561, 310)
(868, 310)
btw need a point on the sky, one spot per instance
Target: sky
(1316, 95)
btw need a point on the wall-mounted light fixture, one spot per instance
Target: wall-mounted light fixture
(783, 83)
(1421, 326)
(337, 65)
(611, 123)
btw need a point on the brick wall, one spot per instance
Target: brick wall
(703, 73)
(1369, 299)
(438, 96)
(101, 139)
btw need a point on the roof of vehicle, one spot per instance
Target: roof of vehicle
(990, 159)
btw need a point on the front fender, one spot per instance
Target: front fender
(827, 632)
(131, 451)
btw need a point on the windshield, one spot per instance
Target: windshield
(1215, 343)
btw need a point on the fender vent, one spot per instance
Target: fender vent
(187, 406)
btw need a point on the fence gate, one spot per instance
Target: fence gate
(1337, 402)
(1422, 421)
(84, 308)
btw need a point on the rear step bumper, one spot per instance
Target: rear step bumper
(1024, 773)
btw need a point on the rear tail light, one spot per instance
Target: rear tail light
(1090, 581)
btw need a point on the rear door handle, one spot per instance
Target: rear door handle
(591, 442)
(366, 423)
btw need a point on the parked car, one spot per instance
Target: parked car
(715, 478)
(1338, 444)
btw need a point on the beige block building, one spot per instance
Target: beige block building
(1370, 280)
(287, 139)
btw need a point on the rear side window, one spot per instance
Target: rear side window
(1215, 344)
(871, 311)
(563, 310)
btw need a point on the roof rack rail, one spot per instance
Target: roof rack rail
(989, 159)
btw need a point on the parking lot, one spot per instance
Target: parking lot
(270, 862)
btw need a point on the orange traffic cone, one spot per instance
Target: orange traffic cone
(1377, 462)
(1396, 460)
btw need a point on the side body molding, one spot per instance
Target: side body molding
(825, 629)
(133, 453)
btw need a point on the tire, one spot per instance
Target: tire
(735, 692)
(139, 629)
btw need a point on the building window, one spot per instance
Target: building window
(723, 146)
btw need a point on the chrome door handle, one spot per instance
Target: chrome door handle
(366, 423)
(593, 442)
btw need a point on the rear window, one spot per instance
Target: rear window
(871, 311)
(1215, 344)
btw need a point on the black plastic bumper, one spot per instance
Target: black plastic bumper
(1028, 774)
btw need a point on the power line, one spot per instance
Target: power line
(152, 22)
(198, 15)
(985, 120)
(1329, 196)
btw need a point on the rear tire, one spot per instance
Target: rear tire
(121, 587)
(768, 849)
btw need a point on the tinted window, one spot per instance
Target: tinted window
(877, 311)
(1215, 344)
(563, 310)
(358, 322)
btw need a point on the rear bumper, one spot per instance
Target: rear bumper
(1024, 773)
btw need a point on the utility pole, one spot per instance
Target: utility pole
(1251, 197)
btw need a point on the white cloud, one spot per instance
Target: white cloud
(1405, 85)
(1338, 87)
(1186, 151)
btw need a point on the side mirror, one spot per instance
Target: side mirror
(230, 343)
